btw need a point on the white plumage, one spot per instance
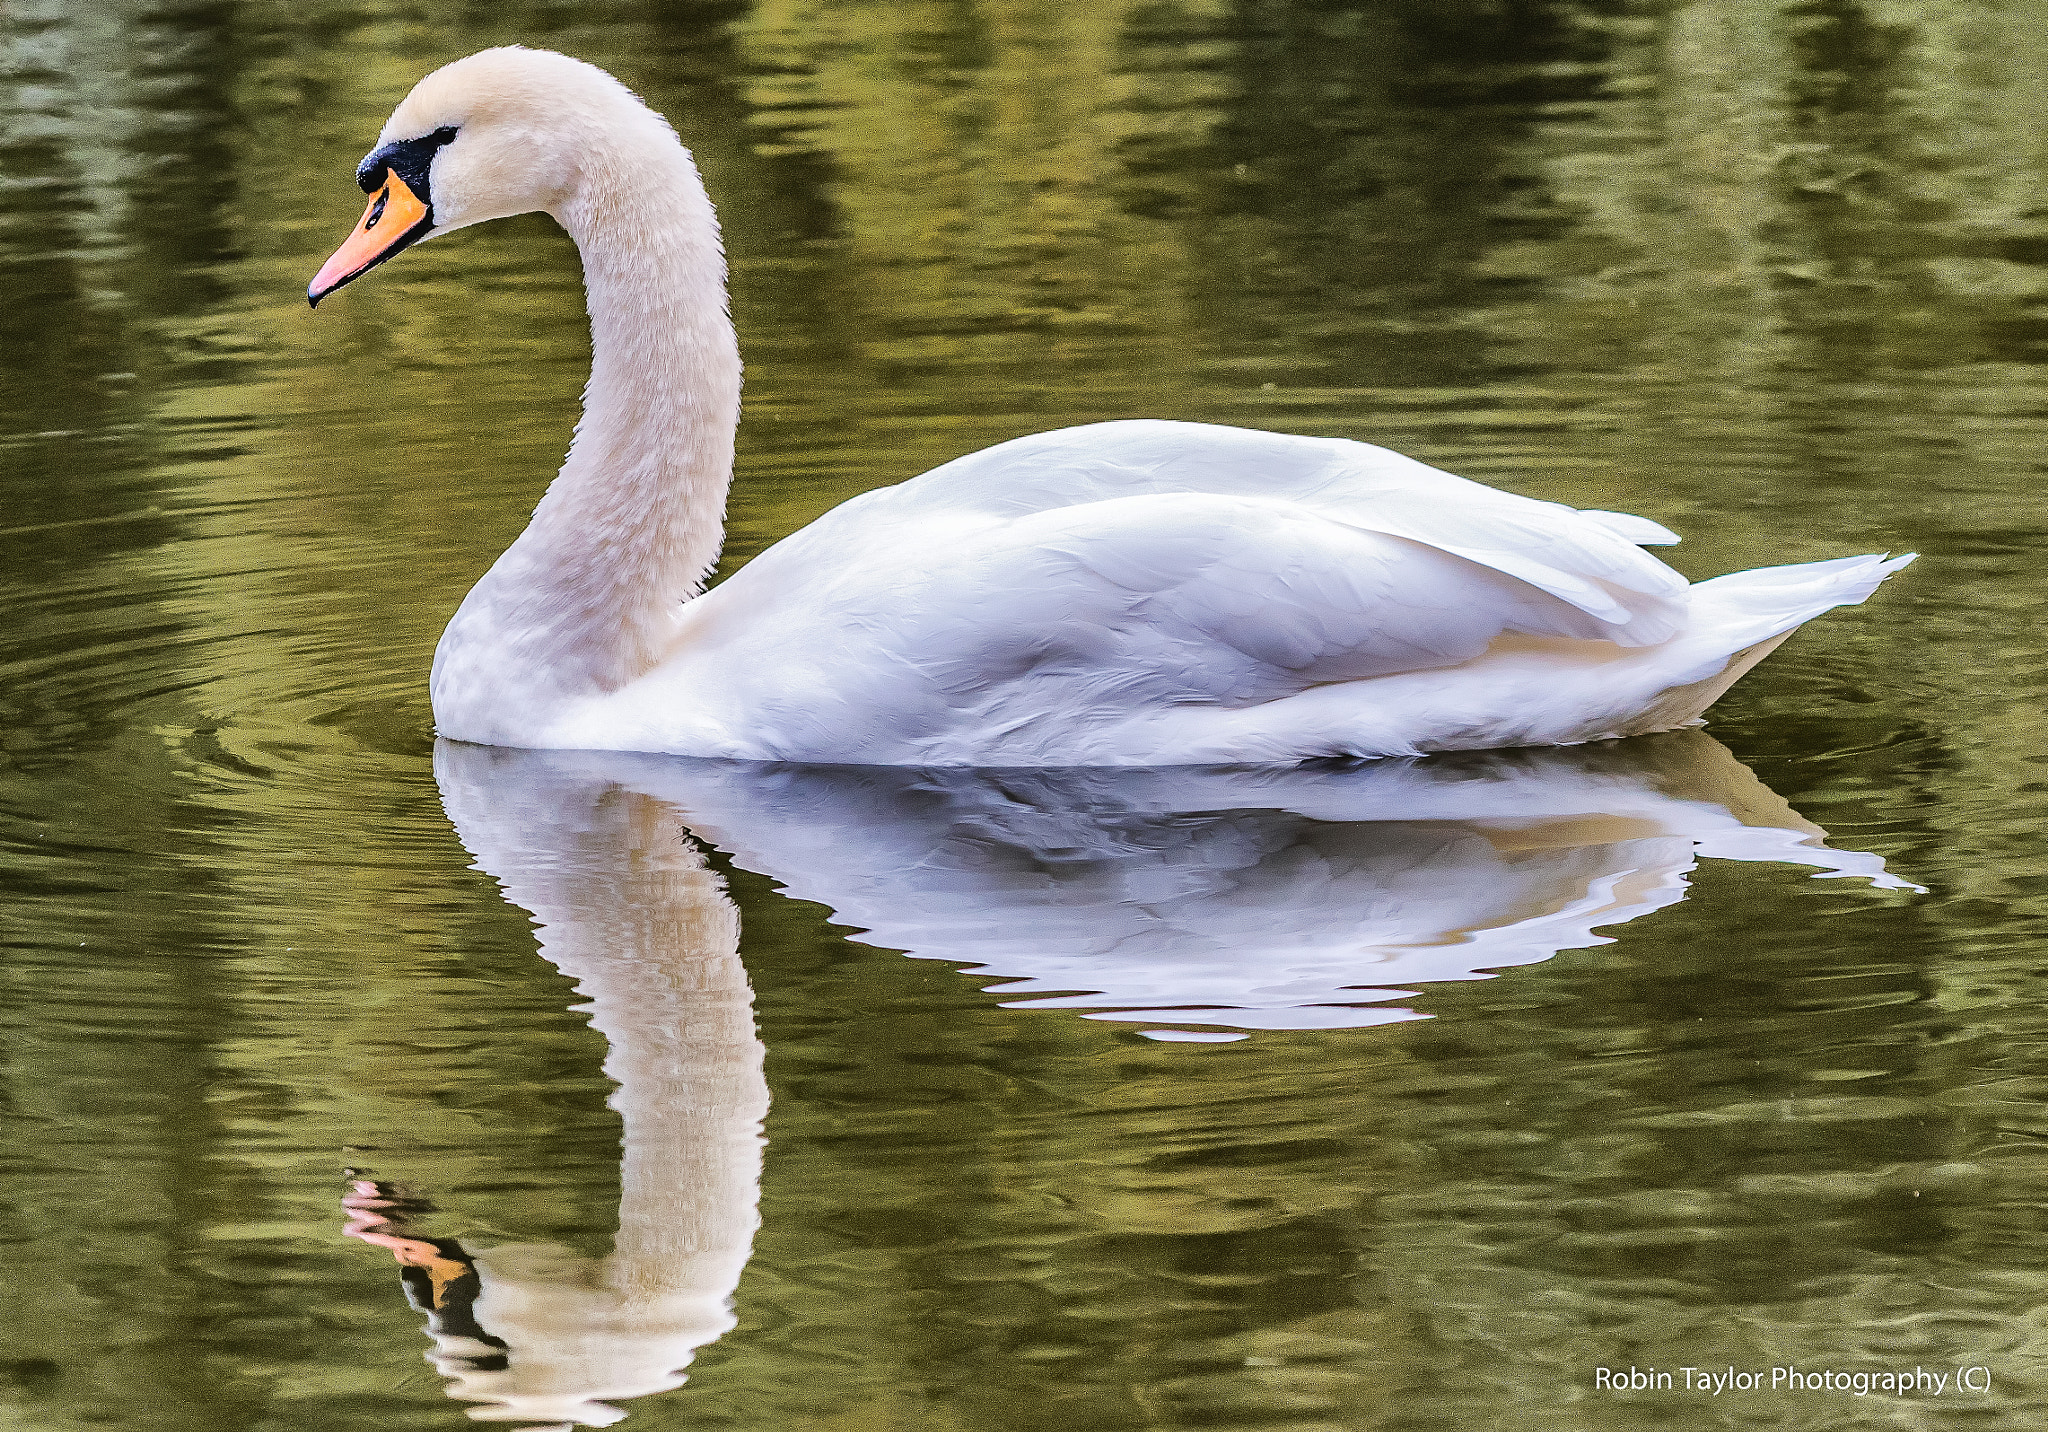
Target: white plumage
(1133, 593)
(1155, 593)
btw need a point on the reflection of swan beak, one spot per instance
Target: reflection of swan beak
(440, 1277)
(395, 219)
(378, 1214)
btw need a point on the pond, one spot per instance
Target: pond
(354, 1082)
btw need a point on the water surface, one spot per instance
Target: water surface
(1770, 273)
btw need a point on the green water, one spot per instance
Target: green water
(1774, 274)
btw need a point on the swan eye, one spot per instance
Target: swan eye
(410, 159)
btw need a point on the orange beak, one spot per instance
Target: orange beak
(395, 220)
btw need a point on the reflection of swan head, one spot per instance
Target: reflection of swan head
(625, 907)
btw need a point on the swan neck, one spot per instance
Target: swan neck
(662, 405)
(589, 597)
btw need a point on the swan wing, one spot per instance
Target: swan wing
(1241, 598)
(1032, 601)
(965, 628)
(1107, 616)
(1590, 559)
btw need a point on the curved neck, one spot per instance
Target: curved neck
(587, 599)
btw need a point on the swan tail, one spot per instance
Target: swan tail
(1557, 692)
(1743, 608)
(1741, 618)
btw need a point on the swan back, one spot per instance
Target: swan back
(1589, 559)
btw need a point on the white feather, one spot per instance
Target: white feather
(1199, 594)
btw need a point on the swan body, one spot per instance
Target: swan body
(1129, 593)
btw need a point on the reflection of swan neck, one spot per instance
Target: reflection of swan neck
(653, 944)
(626, 907)
(691, 1094)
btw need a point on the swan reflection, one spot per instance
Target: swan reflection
(1228, 899)
(626, 908)
(1249, 898)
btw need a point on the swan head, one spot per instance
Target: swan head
(502, 132)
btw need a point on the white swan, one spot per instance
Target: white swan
(1132, 593)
